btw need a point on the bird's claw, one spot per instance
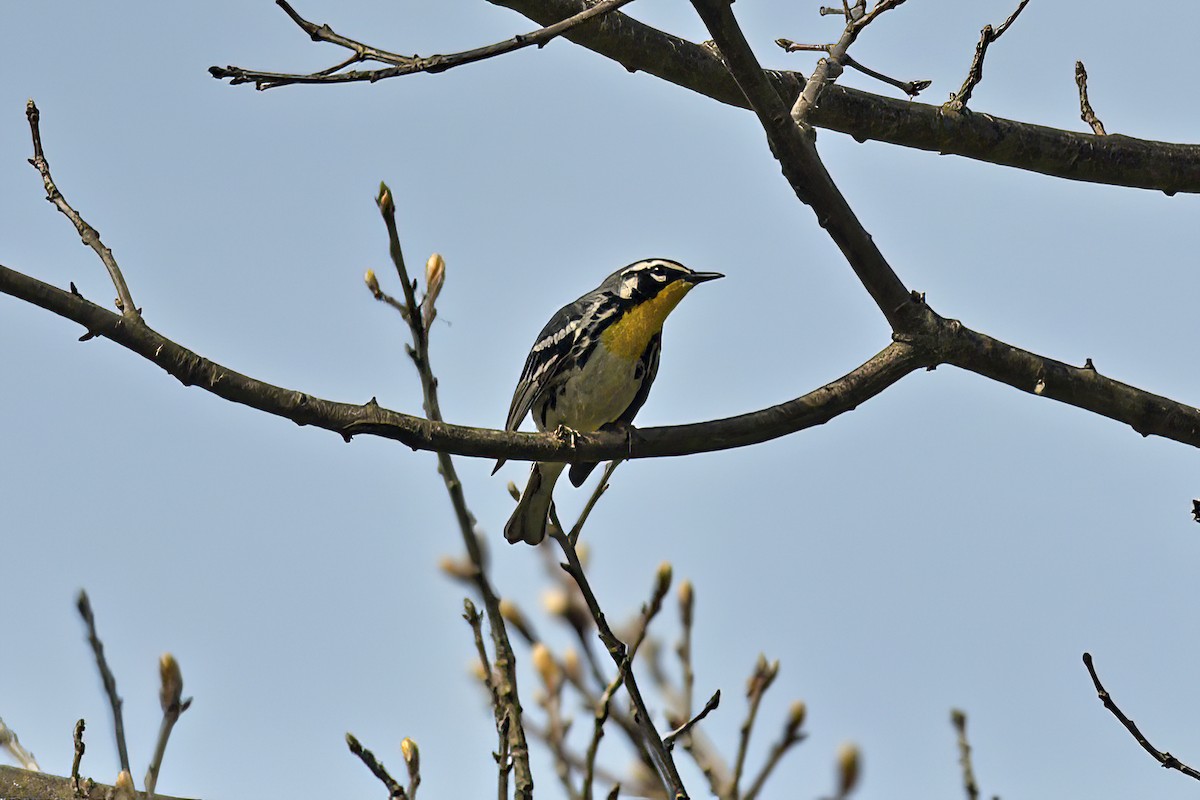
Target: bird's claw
(565, 434)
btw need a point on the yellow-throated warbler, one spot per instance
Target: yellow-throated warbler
(592, 366)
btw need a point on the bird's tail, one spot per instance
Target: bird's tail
(528, 522)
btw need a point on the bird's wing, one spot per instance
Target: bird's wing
(562, 343)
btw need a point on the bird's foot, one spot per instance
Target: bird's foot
(565, 434)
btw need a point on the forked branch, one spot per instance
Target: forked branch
(398, 64)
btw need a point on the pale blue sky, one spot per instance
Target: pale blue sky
(951, 543)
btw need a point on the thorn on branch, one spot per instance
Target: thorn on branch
(1086, 113)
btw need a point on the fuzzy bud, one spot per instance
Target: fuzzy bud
(797, 711)
(459, 568)
(849, 765)
(572, 665)
(412, 755)
(387, 206)
(556, 602)
(170, 695)
(372, 284)
(663, 579)
(687, 599)
(543, 662)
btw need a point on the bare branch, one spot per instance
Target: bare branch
(1167, 760)
(827, 69)
(89, 235)
(20, 784)
(508, 708)
(664, 763)
(1114, 160)
(790, 737)
(10, 742)
(170, 696)
(958, 100)
(401, 65)
(910, 88)
(970, 786)
(110, 683)
(600, 489)
(1085, 108)
(77, 783)
(349, 420)
(792, 144)
(760, 680)
(686, 728)
(395, 790)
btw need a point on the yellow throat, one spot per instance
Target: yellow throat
(629, 336)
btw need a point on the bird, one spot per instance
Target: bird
(590, 368)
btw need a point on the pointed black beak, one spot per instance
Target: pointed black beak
(701, 277)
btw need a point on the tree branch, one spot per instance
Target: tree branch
(349, 420)
(794, 147)
(949, 343)
(401, 65)
(19, 784)
(1086, 112)
(508, 708)
(1114, 160)
(958, 101)
(89, 235)
(1167, 760)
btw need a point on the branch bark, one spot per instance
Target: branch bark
(949, 342)
(1115, 160)
(19, 784)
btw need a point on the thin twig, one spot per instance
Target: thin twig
(910, 88)
(958, 101)
(1086, 113)
(10, 742)
(687, 607)
(701, 749)
(550, 700)
(600, 489)
(170, 697)
(662, 585)
(686, 728)
(89, 235)
(110, 683)
(505, 661)
(600, 717)
(828, 69)
(401, 65)
(395, 790)
(77, 786)
(760, 680)
(504, 760)
(795, 47)
(790, 737)
(663, 761)
(1165, 759)
(970, 786)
